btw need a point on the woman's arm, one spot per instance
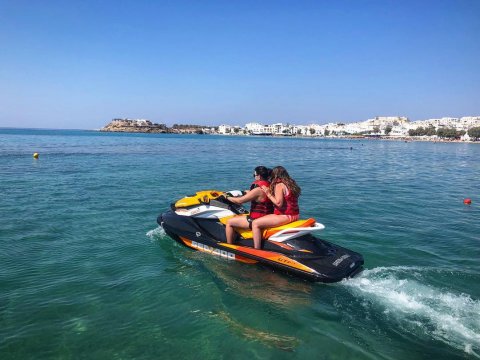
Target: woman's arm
(278, 198)
(251, 195)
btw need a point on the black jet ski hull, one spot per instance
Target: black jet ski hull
(319, 260)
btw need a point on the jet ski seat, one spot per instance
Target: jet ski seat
(268, 232)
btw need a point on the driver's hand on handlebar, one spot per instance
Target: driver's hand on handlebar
(231, 199)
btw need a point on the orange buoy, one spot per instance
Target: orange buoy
(467, 201)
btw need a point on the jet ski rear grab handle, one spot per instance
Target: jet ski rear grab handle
(291, 233)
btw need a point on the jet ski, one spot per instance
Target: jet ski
(198, 222)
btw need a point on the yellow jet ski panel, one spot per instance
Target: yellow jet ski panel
(201, 197)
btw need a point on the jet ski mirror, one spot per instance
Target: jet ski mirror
(205, 200)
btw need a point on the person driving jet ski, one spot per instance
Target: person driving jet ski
(260, 204)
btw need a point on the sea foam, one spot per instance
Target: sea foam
(437, 313)
(156, 233)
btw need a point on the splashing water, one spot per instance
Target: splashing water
(156, 233)
(451, 318)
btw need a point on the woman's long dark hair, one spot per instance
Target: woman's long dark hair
(280, 174)
(263, 171)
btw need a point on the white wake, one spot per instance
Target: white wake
(439, 314)
(156, 233)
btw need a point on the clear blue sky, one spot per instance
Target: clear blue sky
(78, 64)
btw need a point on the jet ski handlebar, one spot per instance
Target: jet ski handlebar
(234, 193)
(236, 208)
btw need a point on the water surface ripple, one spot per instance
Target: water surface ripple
(86, 272)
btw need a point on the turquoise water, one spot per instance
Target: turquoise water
(86, 272)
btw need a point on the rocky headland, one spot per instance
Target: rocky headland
(146, 126)
(129, 125)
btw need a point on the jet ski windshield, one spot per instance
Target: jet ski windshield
(210, 203)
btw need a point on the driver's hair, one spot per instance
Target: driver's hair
(263, 171)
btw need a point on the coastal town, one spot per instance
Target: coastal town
(465, 128)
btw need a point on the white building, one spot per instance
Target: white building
(467, 122)
(131, 122)
(280, 129)
(299, 130)
(255, 128)
(394, 126)
(225, 129)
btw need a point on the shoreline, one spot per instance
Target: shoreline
(369, 138)
(465, 129)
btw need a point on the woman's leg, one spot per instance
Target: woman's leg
(264, 222)
(236, 221)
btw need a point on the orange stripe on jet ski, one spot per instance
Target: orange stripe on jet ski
(282, 245)
(245, 260)
(268, 255)
(272, 256)
(187, 242)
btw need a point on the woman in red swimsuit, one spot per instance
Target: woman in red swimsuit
(260, 204)
(283, 192)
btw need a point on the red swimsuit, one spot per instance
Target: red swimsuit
(289, 206)
(261, 208)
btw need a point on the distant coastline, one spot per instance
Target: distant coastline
(466, 129)
(146, 126)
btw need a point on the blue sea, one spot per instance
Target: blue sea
(86, 273)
